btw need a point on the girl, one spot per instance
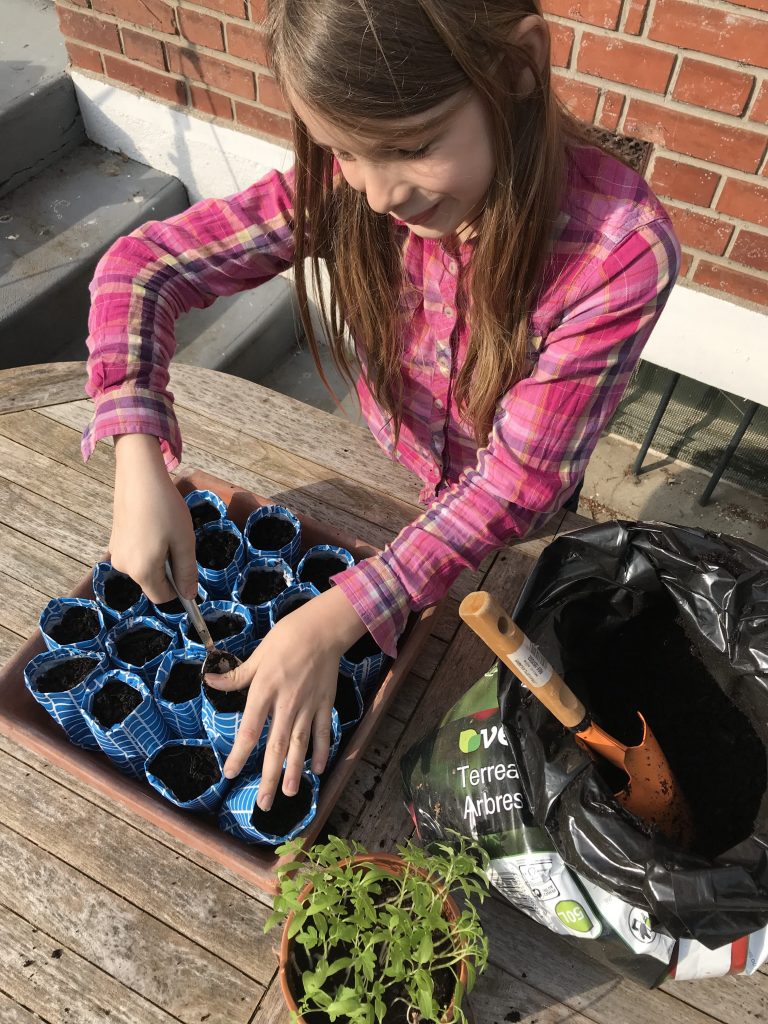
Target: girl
(498, 275)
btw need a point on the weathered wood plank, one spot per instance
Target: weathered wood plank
(500, 997)
(12, 1012)
(51, 525)
(146, 956)
(38, 566)
(9, 644)
(20, 605)
(41, 433)
(731, 1000)
(188, 899)
(28, 387)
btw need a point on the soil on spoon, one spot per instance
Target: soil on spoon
(318, 569)
(183, 682)
(202, 513)
(65, 675)
(121, 592)
(286, 811)
(76, 624)
(216, 550)
(262, 585)
(114, 702)
(142, 645)
(188, 771)
(220, 627)
(271, 533)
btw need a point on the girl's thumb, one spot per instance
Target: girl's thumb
(237, 679)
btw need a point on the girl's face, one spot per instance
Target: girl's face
(432, 171)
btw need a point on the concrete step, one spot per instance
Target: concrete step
(39, 117)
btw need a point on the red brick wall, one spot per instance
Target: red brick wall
(690, 76)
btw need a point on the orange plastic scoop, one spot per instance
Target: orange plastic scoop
(651, 791)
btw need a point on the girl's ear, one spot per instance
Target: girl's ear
(532, 34)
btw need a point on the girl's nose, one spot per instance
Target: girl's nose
(385, 189)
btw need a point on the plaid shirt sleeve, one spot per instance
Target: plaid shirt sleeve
(543, 434)
(150, 277)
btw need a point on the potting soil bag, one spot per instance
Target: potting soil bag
(673, 622)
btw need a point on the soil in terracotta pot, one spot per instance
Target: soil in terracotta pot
(65, 675)
(286, 811)
(262, 586)
(345, 701)
(319, 568)
(188, 771)
(291, 606)
(76, 624)
(114, 702)
(202, 513)
(270, 533)
(220, 627)
(183, 682)
(120, 592)
(649, 664)
(226, 700)
(142, 645)
(216, 550)
(363, 648)
(175, 607)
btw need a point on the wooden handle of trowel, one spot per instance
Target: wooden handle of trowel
(483, 614)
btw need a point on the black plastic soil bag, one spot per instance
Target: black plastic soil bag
(671, 621)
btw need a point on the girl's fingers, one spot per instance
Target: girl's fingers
(247, 738)
(297, 753)
(281, 737)
(321, 740)
(237, 679)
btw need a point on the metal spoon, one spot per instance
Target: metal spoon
(216, 662)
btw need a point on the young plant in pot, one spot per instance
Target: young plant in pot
(378, 938)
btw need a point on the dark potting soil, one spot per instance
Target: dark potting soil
(120, 592)
(114, 702)
(203, 513)
(226, 700)
(651, 665)
(345, 701)
(318, 569)
(291, 606)
(216, 550)
(183, 682)
(65, 675)
(363, 648)
(187, 771)
(76, 624)
(262, 585)
(175, 607)
(219, 627)
(270, 533)
(285, 812)
(142, 645)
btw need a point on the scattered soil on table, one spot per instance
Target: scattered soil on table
(363, 648)
(183, 682)
(271, 533)
(76, 624)
(291, 606)
(219, 627)
(65, 675)
(114, 702)
(318, 569)
(188, 771)
(202, 513)
(650, 664)
(346, 702)
(216, 550)
(142, 645)
(262, 585)
(175, 607)
(120, 592)
(285, 812)
(226, 700)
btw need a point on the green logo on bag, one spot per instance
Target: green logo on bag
(469, 740)
(573, 916)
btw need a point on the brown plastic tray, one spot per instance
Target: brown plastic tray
(23, 720)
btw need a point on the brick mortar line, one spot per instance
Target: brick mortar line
(705, 165)
(729, 264)
(726, 218)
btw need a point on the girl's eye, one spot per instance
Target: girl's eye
(342, 156)
(414, 154)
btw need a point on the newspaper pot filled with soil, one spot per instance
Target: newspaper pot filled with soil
(221, 557)
(125, 720)
(76, 623)
(322, 562)
(287, 817)
(118, 596)
(273, 531)
(138, 645)
(262, 580)
(178, 692)
(59, 681)
(396, 947)
(189, 773)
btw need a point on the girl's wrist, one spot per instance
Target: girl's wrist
(138, 449)
(340, 623)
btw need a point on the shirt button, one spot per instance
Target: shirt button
(447, 310)
(438, 403)
(452, 268)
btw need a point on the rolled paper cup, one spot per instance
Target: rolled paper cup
(130, 742)
(284, 603)
(196, 502)
(55, 611)
(212, 611)
(184, 717)
(149, 668)
(103, 573)
(221, 728)
(349, 704)
(210, 799)
(175, 619)
(220, 582)
(237, 811)
(334, 747)
(66, 706)
(365, 670)
(319, 554)
(290, 551)
(260, 612)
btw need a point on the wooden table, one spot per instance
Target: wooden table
(105, 918)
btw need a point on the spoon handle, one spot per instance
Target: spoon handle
(190, 607)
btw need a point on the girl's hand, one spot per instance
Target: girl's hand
(151, 521)
(292, 676)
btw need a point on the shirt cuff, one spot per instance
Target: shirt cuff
(379, 598)
(132, 410)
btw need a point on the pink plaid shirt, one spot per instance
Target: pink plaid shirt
(613, 262)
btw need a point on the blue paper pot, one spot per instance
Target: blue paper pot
(210, 799)
(221, 582)
(103, 574)
(205, 506)
(221, 726)
(212, 612)
(366, 670)
(285, 603)
(174, 619)
(130, 742)
(261, 566)
(122, 629)
(184, 717)
(289, 551)
(334, 747)
(240, 816)
(317, 562)
(66, 706)
(53, 614)
(349, 704)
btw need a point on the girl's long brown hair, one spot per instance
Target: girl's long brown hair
(359, 61)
